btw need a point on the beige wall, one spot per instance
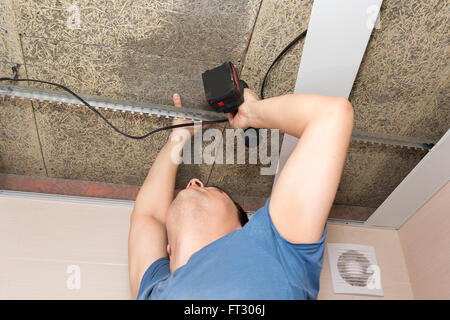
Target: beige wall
(394, 275)
(425, 239)
(41, 238)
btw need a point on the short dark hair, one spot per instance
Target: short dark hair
(242, 215)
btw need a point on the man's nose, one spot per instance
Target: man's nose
(194, 183)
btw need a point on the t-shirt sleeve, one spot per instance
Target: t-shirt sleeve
(157, 271)
(302, 262)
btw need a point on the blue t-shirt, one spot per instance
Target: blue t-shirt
(254, 262)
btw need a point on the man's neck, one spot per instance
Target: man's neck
(181, 253)
(186, 246)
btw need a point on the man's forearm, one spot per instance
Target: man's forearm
(291, 113)
(156, 193)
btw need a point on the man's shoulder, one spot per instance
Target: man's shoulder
(155, 273)
(259, 219)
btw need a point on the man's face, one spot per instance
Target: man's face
(206, 213)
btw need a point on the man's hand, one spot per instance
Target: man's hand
(177, 103)
(241, 120)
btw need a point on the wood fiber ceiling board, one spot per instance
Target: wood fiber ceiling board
(10, 51)
(77, 144)
(20, 151)
(139, 50)
(402, 86)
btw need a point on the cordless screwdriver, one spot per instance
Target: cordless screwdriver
(224, 91)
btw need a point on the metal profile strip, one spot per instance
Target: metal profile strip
(108, 103)
(185, 113)
(391, 140)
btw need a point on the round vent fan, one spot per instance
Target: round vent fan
(353, 267)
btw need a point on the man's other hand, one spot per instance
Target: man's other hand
(177, 103)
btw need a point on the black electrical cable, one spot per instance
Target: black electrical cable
(300, 36)
(107, 121)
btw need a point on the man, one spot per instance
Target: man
(196, 246)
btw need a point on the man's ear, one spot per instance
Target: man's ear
(169, 250)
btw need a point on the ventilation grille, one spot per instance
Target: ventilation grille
(354, 269)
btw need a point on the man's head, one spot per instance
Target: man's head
(198, 216)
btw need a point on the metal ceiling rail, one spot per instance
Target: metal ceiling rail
(34, 93)
(391, 140)
(108, 103)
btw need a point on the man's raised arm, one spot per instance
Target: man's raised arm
(304, 192)
(147, 239)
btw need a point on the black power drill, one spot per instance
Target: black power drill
(224, 91)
